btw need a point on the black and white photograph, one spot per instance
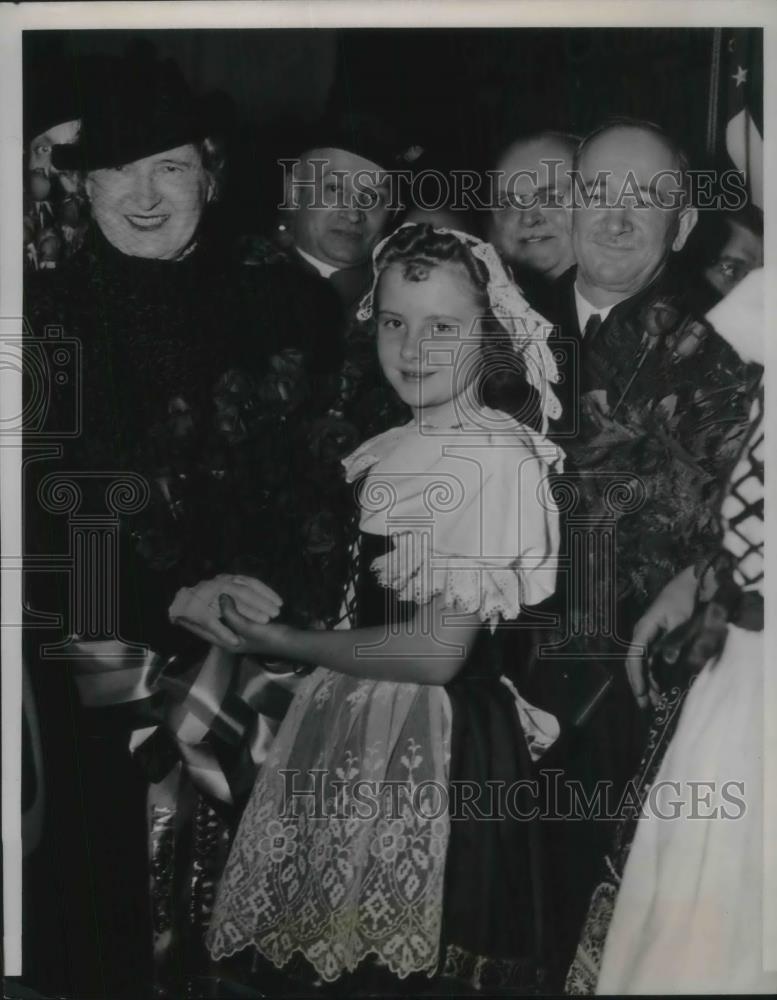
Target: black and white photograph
(382, 482)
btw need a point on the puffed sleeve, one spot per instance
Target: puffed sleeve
(474, 524)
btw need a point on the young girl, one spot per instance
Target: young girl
(391, 821)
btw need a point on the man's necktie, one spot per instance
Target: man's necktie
(592, 376)
(592, 328)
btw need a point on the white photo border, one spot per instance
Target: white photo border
(14, 19)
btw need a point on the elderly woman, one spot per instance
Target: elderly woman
(188, 433)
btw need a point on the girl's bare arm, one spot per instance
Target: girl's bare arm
(430, 649)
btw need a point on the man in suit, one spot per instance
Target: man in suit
(528, 224)
(337, 202)
(628, 214)
(654, 408)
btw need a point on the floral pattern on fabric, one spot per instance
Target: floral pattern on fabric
(584, 971)
(742, 516)
(324, 864)
(664, 406)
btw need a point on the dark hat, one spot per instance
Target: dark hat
(46, 105)
(47, 116)
(134, 107)
(361, 133)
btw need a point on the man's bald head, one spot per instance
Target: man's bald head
(637, 212)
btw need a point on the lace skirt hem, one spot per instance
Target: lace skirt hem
(315, 955)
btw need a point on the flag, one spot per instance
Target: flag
(741, 104)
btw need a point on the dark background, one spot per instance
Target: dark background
(458, 92)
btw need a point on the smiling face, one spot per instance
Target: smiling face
(623, 239)
(429, 337)
(530, 227)
(151, 207)
(340, 221)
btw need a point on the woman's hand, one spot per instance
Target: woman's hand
(250, 635)
(673, 606)
(197, 608)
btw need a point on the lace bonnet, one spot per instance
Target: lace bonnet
(527, 330)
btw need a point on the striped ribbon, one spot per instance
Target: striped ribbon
(217, 718)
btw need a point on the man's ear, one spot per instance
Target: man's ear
(88, 187)
(688, 219)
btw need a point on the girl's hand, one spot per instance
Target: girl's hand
(197, 608)
(250, 635)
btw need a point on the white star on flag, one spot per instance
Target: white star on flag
(744, 143)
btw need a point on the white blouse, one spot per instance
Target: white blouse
(469, 510)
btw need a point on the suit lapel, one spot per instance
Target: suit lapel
(305, 264)
(350, 283)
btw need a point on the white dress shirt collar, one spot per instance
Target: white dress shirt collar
(325, 270)
(585, 310)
